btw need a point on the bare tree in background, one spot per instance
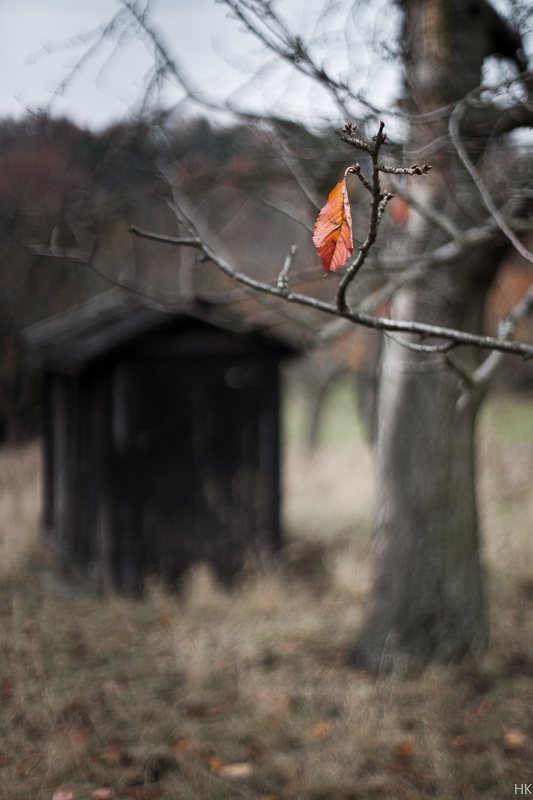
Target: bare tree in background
(465, 215)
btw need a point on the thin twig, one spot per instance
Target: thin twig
(274, 34)
(453, 128)
(428, 212)
(460, 368)
(289, 210)
(414, 170)
(459, 338)
(387, 197)
(421, 348)
(302, 181)
(356, 170)
(283, 282)
(184, 241)
(506, 329)
(374, 218)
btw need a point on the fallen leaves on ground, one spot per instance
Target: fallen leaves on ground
(255, 749)
(473, 714)
(78, 736)
(514, 739)
(30, 627)
(182, 745)
(402, 755)
(7, 689)
(144, 792)
(321, 728)
(465, 743)
(215, 763)
(237, 770)
(30, 764)
(112, 756)
(205, 710)
(114, 688)
(291, 647)
(63, 794)
(405, 750)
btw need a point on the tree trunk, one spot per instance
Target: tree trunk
(427, 602)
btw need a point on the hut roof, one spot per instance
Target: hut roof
(70, 341)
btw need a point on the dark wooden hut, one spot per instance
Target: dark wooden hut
(161, 437)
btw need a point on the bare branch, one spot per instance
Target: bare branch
(428, 212)
(76, 254)
(507, 326)
(289, 210)
(302, 181)
(482, 188)
(419, 268)
(283, 283)
(414, 170)
(387, 197)
(459, 338)
(461, 369)
(261, 20)
(348, 135)
(332, 331)
(185, 242)
(356, 170)
(376, 210)
(421, 348)
(165, 65)
(141, 290)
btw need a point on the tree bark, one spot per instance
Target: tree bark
(428, 602)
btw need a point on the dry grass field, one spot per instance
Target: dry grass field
(212, 695)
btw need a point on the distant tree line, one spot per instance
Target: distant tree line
(67, 197)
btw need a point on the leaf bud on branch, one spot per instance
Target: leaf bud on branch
(414, 170)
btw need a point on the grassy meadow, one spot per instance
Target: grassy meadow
(211, 695)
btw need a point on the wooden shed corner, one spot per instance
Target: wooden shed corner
(162, 439)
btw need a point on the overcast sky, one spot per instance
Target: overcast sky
(212, 47)
(200, 34)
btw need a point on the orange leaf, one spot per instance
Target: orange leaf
(405, 750)
(333, 228)
(215, 763)
(321, 728)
